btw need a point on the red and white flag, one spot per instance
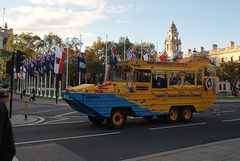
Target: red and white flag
(59, 60)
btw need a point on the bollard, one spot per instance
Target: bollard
(26, 110)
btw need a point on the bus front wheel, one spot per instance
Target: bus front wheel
(117, 119)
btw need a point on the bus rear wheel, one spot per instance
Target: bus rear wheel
(117, 119)
(186, 114)
(173, 115)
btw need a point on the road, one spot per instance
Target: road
(62, 134)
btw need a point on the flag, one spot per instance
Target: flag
(81, 61)
(59, 60)
(14, 73)
(47, 62)
(163, 57)
(112, 57)
(147, 56)
(131, 54)
(179, 56)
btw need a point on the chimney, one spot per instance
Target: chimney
(214, 46)
(201, 49)
(231, 43)
(189, 51)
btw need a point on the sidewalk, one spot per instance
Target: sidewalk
(227, 150)
(40, 100)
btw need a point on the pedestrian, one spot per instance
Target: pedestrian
(7, 147)
(32, 96)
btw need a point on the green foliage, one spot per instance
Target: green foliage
(229, 71)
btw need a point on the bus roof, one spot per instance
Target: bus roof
(193, 65)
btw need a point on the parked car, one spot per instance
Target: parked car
(237, 93)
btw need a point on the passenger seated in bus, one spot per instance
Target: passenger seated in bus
(158, 82)
(154, 82)
(164, 81)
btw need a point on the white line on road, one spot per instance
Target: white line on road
(66, 138)
(177, 126)
(228, 111)
(66, 113)
(231, 120)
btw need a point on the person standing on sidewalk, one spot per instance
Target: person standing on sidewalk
(7, 147)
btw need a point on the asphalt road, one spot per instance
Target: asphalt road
(63, 134)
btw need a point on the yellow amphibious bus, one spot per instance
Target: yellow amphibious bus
(146, 89)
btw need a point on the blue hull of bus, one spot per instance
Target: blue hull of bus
(100, 105)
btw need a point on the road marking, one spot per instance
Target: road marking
(48, 110)
(67, 138)
(229, 111)
(66, 113)
(56, 123)
(41, 119)
(231, 120)
(177, 126)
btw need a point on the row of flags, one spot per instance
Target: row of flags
(54, 61)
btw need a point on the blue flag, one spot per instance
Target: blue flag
(81, 61)
(112, 57)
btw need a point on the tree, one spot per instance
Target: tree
(229, 71)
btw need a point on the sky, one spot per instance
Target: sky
(199, 23)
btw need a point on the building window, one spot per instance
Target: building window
(220, 87)
(214, 60)
(232, 58)
(224, 87)
(239, 58)
(222, 60)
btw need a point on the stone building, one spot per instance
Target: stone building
(217, 56)
(172, 43)
(4, 35)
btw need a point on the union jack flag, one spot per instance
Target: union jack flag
(131, 54)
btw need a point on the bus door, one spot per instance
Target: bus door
(142, 80)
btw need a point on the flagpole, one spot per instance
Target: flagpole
(41, 82)
(29, 84)
(3, 15)
(38, 83)
(124, 47)
(105, 78)
(67, 70)
(80, 73)
(49, 84)
(54, 85)
(45, 85)
(157, 52)
(141, 49)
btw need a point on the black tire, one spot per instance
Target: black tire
(117, 119)
(173, 116)
(148, 117)
(96, 120)
(186, 114)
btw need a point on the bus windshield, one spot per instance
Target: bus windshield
(121, 73)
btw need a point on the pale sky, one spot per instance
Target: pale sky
(199, 22)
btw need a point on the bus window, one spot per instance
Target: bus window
(209, 72)
(120, 73)
(175, 79)
(144, 75)
(159, 80)
(199, 78)
(189, 79)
